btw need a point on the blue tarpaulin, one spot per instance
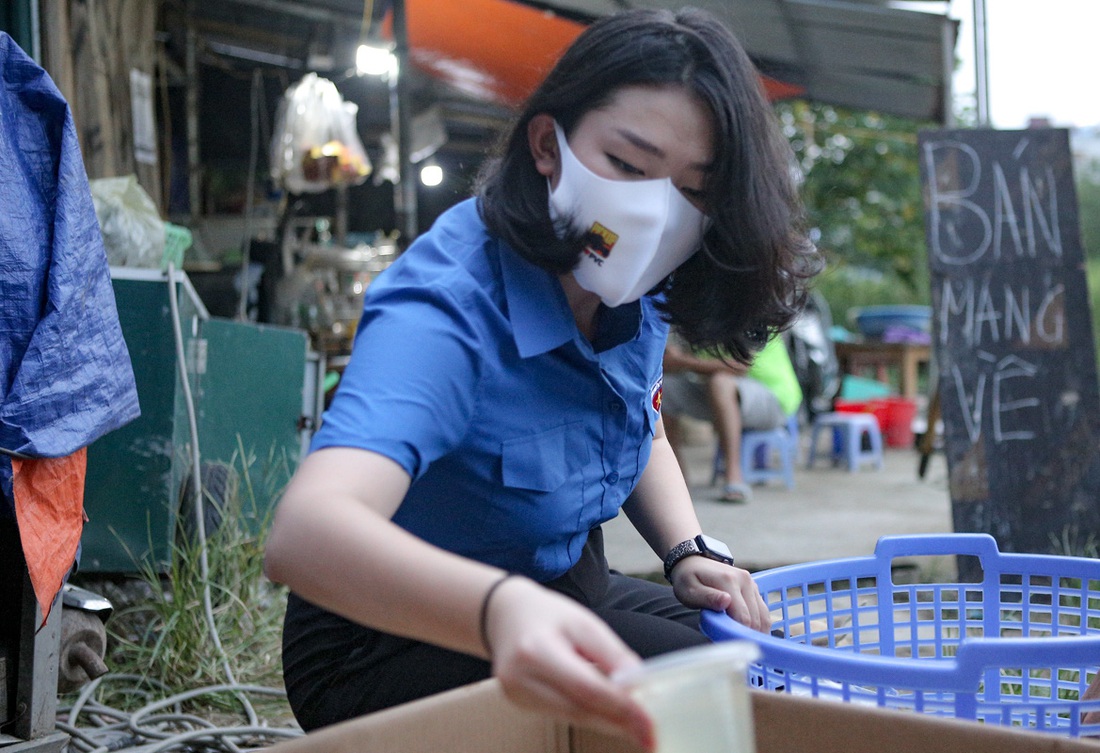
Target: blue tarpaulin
(65, 373)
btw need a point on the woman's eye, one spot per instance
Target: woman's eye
(694, 195)
(625, 167)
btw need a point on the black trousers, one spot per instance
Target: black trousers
(335, 669)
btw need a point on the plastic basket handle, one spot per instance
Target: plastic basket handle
(980, 545)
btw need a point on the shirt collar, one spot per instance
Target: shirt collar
(540, 314)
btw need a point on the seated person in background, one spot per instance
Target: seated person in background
(734, 397)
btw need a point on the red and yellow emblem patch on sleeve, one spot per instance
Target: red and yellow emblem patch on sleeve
(655, 393)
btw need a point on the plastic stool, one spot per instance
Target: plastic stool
(848, 429)
(756, 447)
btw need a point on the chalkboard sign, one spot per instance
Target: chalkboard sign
(1013, 337)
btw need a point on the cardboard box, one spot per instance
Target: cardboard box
(478, 719)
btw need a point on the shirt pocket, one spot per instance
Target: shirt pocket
(537, 462)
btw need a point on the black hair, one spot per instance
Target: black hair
(749, 278)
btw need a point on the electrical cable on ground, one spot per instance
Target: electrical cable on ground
(146, 731)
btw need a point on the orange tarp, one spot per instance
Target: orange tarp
(499, 50)
(49, 508)
(489, 49)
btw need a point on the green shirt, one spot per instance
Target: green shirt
(772, 367)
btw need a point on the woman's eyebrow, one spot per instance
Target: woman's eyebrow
(656, 151)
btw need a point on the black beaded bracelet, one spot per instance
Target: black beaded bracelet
(483, 618)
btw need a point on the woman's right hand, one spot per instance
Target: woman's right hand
(550, 653)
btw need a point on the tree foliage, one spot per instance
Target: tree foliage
(1088, 214)
(862, 193)
(1088, 201)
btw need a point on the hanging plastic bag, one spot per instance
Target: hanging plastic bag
(316, 146)
(133, 232)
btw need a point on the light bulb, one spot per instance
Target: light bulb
(374, 61)
(431, 175)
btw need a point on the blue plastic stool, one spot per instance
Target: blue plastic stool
(848, 430)
(757, 445)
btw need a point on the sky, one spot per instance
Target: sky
(1044, 60)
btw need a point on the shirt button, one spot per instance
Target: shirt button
(612, 477)
(615, 406)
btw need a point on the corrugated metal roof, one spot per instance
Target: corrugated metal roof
(862, 54)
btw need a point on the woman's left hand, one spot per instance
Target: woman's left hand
(703, 583)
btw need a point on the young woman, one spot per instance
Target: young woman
(503, 396)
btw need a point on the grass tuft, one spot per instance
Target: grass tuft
(160, 634)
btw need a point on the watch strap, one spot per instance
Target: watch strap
(683, 549)
(718, 552)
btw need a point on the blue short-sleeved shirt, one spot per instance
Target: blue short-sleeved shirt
(469, 371)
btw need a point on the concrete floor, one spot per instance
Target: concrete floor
(830, 513)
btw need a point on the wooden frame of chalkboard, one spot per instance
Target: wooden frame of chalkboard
(1013, 337)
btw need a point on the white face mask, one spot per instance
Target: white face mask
(649, 228)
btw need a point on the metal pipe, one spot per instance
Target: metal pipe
(255, 102)
(36, 33)
(948, 48)
(981, 63)
(405, 197)
(340, 234)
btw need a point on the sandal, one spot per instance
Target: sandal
(735, 494)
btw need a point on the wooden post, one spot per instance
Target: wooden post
(191, 68)
(57, 46)
(107, 40)
(28, 653)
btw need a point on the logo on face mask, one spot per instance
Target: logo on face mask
(601, 242)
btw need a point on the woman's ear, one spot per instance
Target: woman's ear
(543, 143)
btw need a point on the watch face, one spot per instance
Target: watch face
(716, 546)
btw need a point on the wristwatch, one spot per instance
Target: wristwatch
(702, 545)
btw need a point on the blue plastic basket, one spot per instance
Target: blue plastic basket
(1017, 649)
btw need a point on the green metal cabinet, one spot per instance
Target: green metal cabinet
(256, 393)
